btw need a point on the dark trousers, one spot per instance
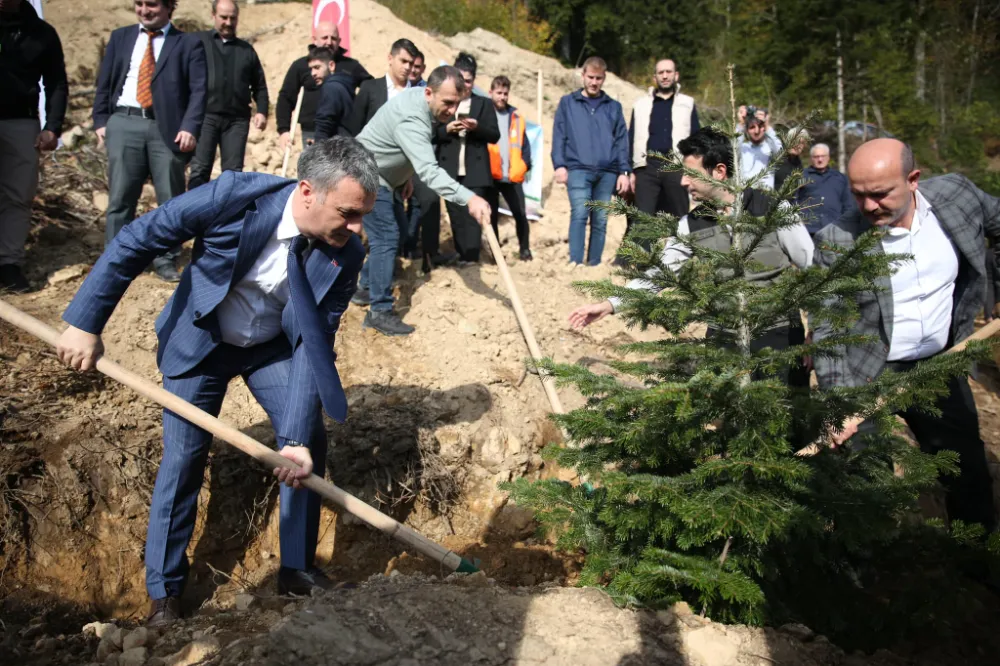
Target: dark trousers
(423, 220)
(385, 227)
(659, 191)
(990, 301)
(970, 494)
(136, 151)
(513, 194)
(223, 132)
(265, 369)
(465, 229)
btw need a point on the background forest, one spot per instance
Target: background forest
(925, 70)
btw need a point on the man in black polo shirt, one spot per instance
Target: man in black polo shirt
(235, 75)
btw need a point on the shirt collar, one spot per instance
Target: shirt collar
(390, 85)
(920, 215)
(287, 228)
(165, 29)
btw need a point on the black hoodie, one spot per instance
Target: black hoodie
(298, 76)
(336, 102)
(30, 51)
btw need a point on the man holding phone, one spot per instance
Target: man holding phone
(464, 154)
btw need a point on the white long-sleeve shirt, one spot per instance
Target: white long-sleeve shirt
(129, 94)
(794, 241)
(922, 288)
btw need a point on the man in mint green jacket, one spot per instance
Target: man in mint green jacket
(399, 136)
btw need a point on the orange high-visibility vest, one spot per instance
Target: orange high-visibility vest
(518, 168)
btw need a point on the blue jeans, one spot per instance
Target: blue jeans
(587, 186)
(385, 226)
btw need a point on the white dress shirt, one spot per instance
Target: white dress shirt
(129, 92)
(754, 157)
(794, 241)
(390, 87)
(922, 288)
(250, 314)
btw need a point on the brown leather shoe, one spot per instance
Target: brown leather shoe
(163, 611)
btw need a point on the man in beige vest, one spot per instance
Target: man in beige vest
(661, 119)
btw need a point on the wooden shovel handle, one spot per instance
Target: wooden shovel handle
(266, 456)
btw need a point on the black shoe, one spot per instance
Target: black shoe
(167, 273)
(13, 280)
(303, 583)
(444, 259)
(386, 323)
(163, 612)
(362, 297)
(526, 255)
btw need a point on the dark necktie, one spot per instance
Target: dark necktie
(318, 349)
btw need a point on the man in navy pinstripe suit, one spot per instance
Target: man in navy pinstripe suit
(274, 265)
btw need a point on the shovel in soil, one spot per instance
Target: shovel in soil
(268, 457)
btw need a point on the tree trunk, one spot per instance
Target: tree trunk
(941, 100)
(920, 55)
(841, 144)
(973, 55)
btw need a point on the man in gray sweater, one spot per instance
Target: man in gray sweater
(399, 136)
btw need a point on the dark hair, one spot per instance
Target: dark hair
(712, 146)
(443, 73)
(500, 82)
(419, 55)
(321, 53)
(907, 160)
(215, 5)
(466, 62)
(404, 45)
(172, 5)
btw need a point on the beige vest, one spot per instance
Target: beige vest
(643, 108)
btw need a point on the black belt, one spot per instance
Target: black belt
(901, 366)
(133, 111)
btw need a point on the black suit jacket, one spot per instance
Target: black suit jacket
(371, 97)
(179, 81)
(477, 154)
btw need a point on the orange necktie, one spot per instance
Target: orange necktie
(144, 87)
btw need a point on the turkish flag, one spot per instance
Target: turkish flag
(336, 12)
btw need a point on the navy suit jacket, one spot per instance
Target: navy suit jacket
(231, 219)
(179, 81)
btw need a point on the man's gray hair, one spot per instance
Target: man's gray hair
(327, 162)
(820, 145)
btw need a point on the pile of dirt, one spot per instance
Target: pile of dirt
(401, 620)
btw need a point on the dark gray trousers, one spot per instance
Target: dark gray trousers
(227, 134)
(136, 151)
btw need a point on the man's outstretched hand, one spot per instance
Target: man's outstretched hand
(79, 349)
(588, 314)
(293, 477)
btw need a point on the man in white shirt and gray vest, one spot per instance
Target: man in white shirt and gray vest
(926, 306)
(661, 119)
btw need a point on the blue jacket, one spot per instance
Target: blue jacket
(336, 102)
(595, 139)
(830, 195)
(231, 219)
(179, 81)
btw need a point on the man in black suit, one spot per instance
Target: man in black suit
(376, 92)
(464, 154)
(326, 36)
(235, 75)
(148, 108)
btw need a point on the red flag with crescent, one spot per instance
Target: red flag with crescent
(336, 12)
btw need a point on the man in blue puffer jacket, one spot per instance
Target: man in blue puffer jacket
(591, 157)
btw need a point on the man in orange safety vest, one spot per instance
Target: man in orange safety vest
(510, 161)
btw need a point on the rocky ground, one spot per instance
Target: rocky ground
(437, 420)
